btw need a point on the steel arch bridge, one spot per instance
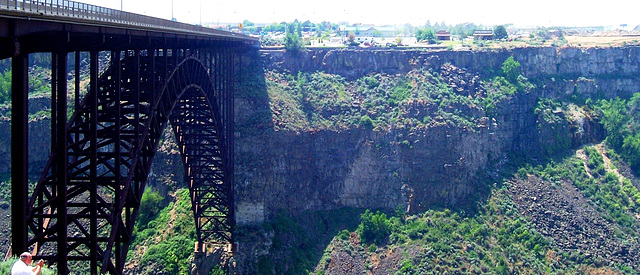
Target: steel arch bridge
(109, 143)
(84, 205)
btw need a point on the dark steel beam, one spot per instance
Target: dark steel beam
(19, 152)
(116, 65)
(93, 153)
(61, 163)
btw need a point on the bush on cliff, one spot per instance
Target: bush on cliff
(373, 228)
(511, 69)
(621, 119)
(168, 236)
(5, 87)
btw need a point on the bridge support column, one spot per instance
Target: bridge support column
(19, 152)
(93, 163)
(61, 156)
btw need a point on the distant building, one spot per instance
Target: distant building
(443, 35)
(483, 35)
(369, 31)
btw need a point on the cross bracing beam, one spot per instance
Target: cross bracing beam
(88, 204)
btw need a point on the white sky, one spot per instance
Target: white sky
(486, 12)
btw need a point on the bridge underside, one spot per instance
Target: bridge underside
(87, 212)
(85, 203)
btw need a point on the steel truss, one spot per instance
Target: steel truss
(85, 204)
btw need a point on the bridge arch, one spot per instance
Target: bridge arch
(196, 120)
(88, 212)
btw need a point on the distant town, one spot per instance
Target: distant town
(437, 35)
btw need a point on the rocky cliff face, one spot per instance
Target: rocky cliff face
(420, 167)
(39, 138)
(613, 71)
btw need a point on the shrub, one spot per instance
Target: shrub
(149, 206)
(366, 122)
(511, 69)
(400, 92)
(373, 228)
(371, 82)
(173, 254)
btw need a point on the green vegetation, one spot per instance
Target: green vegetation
(427, 35)
(149, 207)
(5, 87)
(293, 40)
(496, 240)
(509, 82)
(511, 70)
(500, 32)
(373, 228)
(217, 270)
(169, 236)
(298, 243)
(595, 162)
(617, 197)
(621, 119)
(5, 187)
(289, 237)
(322, 101)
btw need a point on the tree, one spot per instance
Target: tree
(511, 70)
(247, 23)
(293, 39)
(366, 122)
(500, 32)
(373, 228)
(5, 87)
(149, 207)
(621, 119)
(426, 35)
(351, 38)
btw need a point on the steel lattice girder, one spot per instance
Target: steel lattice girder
(110, 142)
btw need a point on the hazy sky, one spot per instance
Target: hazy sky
(486, 12)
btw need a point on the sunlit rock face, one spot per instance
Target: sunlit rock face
(436, 165)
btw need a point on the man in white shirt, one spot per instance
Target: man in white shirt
(23, 266)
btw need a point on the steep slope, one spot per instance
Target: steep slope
(544, 219)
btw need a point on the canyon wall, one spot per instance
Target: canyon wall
(613, 70)
(417, 169)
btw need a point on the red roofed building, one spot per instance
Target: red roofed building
(443, 35)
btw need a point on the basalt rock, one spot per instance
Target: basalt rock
(417, 168)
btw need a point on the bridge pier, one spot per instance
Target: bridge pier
(207, 255)
(19, 152)
(60, 154)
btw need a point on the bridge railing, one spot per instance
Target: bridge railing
(76, 10)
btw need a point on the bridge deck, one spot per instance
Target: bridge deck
(40, 19)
